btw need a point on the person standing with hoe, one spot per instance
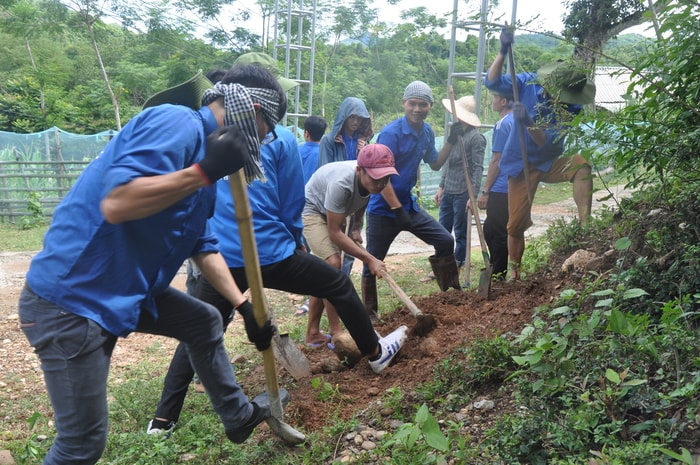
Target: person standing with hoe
(547, 99)
(452, 195)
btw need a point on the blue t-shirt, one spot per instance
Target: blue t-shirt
(409, 148)
(276, 205)
(540, 108)
(308, 151)
(110, 273)
(498, 141)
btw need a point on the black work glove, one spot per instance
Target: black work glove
(507, 38)
(456, 129)
(226, 152)
(403, 219)
(521, 115)
(261, 337)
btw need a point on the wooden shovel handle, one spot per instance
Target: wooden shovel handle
(415, 311)
(244, 217)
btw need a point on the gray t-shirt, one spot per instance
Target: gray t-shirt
(335, 188)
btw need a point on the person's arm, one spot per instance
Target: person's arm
(214, 269)
(496, 68)
(226, 152)
(390, 196)
(148, 195)
(346, 244)
(216, 272)
(491, 176)
(442, 157)
(476, 160)
(358, 222)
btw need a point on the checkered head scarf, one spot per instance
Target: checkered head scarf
(239, 111)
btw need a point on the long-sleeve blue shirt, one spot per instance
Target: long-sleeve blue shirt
(276, 205)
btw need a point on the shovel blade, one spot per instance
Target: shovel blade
(424, 324)
(485, 281)
(290, 357)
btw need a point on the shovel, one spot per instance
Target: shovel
(518, 125)
(424, 322)
(487, 271)
(252, 269)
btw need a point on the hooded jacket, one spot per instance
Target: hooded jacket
(332, 146)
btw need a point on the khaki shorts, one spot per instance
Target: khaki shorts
(519, 219)
(316, 235)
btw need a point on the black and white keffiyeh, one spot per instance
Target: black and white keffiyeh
(239, 111)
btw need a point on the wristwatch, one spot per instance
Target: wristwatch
(484, 192)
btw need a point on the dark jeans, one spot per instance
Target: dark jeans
(495, 232)
(301, 273)
(382, 230)
(453, 215)
(75, 354)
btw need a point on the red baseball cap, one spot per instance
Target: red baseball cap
(377, 160)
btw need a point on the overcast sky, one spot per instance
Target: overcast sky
(546, 15)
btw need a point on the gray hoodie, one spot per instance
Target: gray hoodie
(332, 146)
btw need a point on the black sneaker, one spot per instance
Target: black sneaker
(261, 412)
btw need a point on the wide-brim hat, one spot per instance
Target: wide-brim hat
(189, 93)
(269, 63)
(567, 83)
(465, 108)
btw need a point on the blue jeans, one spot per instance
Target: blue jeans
(382, 230)
(301, 273)
(453, 215)
(75, 354)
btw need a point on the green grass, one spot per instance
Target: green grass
(15, 239)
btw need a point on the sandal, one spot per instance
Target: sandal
(428, 278)
(316, 345)
(303, 310)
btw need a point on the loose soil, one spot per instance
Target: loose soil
(461, 316)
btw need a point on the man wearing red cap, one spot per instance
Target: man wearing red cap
(334, 192)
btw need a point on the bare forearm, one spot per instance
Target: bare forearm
(496, 67)
(148, 195)
(214, 268)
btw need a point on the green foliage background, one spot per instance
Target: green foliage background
(375, 65)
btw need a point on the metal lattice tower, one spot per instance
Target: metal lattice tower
(477, 75)
(297, 43)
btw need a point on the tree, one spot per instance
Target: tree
(591, 23)
(25, 19)
(348, 21)
(90, 13)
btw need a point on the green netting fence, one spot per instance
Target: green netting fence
(43, 164)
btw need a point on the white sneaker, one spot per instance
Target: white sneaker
(390, 344)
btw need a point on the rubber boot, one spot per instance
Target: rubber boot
(446, 272)
(369, 296)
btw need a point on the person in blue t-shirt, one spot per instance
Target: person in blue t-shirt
(547, 100)
(116, 242)
(396, 209)
(494, 195)
(314, 128)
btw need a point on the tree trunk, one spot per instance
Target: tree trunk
(115, 103)
(42, 100)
